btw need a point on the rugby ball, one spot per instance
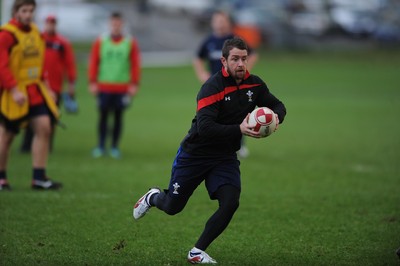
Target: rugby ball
(264, 121)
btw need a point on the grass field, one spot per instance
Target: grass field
(323, 190)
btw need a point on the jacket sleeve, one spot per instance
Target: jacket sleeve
(94, 60)
(135, 62)
(208, 109)
(7, 41)
(267, 99)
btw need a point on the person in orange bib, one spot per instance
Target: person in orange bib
(25, 98)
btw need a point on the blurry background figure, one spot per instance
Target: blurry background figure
(208, 58)
(59, 63)
(25, 98)
(250, 34)
(114, 73)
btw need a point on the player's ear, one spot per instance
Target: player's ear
(223, 61)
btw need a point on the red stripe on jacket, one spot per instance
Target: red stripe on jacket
(220, 96)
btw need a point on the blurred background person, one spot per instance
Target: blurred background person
(114, 74)
(59, 64)
(25, 98)
(208, 58)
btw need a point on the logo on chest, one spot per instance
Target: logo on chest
(30, 47)
(250, 95)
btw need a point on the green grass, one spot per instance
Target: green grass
(323, 190)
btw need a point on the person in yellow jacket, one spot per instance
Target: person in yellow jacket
(25, 98)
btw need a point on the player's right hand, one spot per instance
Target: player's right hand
(247, 130)
(18, 96)
(93, 88)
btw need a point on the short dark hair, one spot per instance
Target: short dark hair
(235, 42)
(116, 14)
(18, 3)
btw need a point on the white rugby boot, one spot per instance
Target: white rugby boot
(197, 256)
(142, 206)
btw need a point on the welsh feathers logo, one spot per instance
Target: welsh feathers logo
(176, 187)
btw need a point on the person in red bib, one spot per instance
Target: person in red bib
(114, 74)
(59, 64)
(24, 96)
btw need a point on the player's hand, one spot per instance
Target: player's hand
(277, 122)
(18, 96)
(247, 130)
(71, 90)
(93, 88)
(133, 90)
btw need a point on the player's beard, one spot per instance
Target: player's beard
(238, 74)
(24, 20)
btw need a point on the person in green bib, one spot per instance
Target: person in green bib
(114, 75)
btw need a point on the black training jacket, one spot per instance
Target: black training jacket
(221, 107)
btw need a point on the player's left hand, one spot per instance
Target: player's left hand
(133, 89)
(247, 130)
(277, 122)
(71, 90)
